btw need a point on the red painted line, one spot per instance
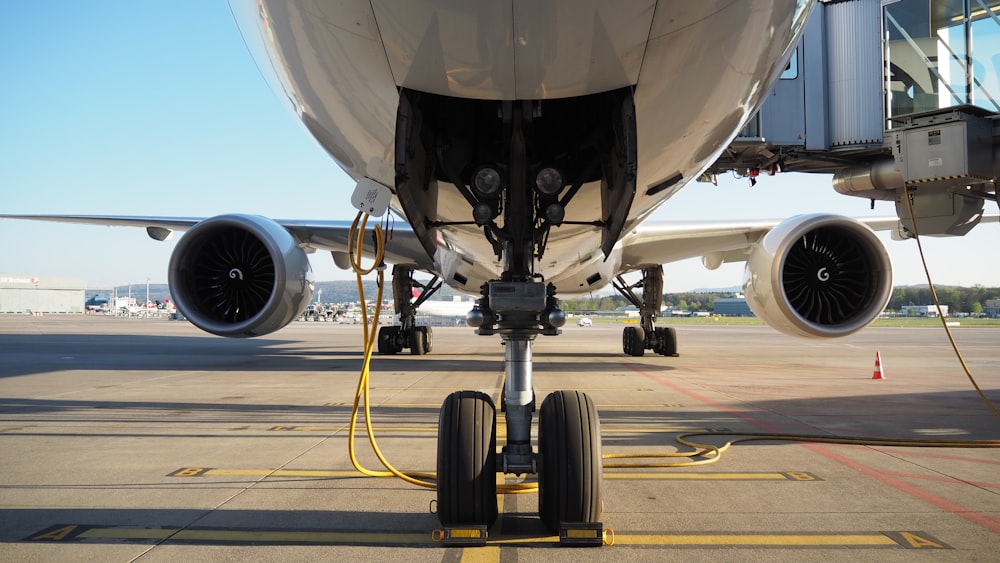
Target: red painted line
(992, 524)
(942, 479)
(930, 455)
(987, 522)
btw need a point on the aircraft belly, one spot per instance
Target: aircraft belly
(520, 49)
(699, 68)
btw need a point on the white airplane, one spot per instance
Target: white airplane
(524, 143)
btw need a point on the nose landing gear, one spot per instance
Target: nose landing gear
(568, 462)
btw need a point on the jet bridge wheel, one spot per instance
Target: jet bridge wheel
(633, 340)
(466, 460)
(570, 466)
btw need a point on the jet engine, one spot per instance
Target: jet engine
(818, 276)
(240, 276)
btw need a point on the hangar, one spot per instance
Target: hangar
(29, 294)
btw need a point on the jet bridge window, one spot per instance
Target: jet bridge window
(941, 53)
(791, 71)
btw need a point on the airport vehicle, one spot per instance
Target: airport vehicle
(524, 143)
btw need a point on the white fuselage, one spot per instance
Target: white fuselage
(698, 70)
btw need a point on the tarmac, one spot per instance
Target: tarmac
(148, 440)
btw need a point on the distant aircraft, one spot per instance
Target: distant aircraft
(525, 143)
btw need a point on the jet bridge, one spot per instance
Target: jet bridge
(891, 97)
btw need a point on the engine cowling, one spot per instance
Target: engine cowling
(239, 276)
(818, 276)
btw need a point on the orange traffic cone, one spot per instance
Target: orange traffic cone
(878, 367)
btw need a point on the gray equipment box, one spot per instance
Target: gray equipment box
(517, 296)
(937, 150)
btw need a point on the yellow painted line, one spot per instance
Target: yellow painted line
(491, 553)
(360, 429)
(501, 431)
(638, 405)
(700, 476)
(389, 405)
(661, 430)
(252, 536)
(283, 473)
(292, 536)
(128, 533)
(798, 540)
(801, 476)
(484, 554)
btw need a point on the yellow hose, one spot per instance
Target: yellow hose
(362, 393)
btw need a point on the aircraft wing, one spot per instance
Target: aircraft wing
(402, 248)
(653, 243)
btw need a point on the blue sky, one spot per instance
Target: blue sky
(156, 108)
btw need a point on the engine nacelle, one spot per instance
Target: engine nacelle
(239, 276)
(818, 276)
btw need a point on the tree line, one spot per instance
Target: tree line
(679, 301)
(958, 299)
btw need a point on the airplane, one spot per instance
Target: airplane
(523, 145)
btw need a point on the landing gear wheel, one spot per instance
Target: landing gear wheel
(570, 466)
(634, 341)
(466, 460)
(420, 340)
(666, 341)
(428, 337)
(387, 340)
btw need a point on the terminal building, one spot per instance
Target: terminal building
(992, 308)
(31, 295)
(731, 307)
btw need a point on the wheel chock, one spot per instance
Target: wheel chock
(469, 536)
(581, 534)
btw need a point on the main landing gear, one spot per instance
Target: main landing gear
(637, 339)
(419, 339)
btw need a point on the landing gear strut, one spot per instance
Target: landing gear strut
(419, 339)
(637, 339)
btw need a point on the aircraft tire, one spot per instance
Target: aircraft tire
(666, 341)
(427, 333)
(670, 348)
(387, 340)
(634, 341)
(570, 464)
(418, 341)
(466, 460)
